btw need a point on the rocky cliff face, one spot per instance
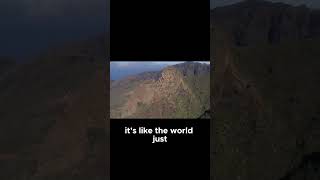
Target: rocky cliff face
(170, 82)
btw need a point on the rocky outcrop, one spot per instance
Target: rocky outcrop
(170, 82)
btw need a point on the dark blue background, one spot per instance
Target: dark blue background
(29, 27)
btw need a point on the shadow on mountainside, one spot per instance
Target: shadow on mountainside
(265, 91)
(53, 112)
(308, 168)
(205, 115)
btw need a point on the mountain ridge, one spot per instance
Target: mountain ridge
(255, 22)
(148, 93)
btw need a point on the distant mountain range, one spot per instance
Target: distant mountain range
(178, 91)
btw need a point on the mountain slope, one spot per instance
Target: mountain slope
(53, 115)
(265, 92)
(179, 91)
